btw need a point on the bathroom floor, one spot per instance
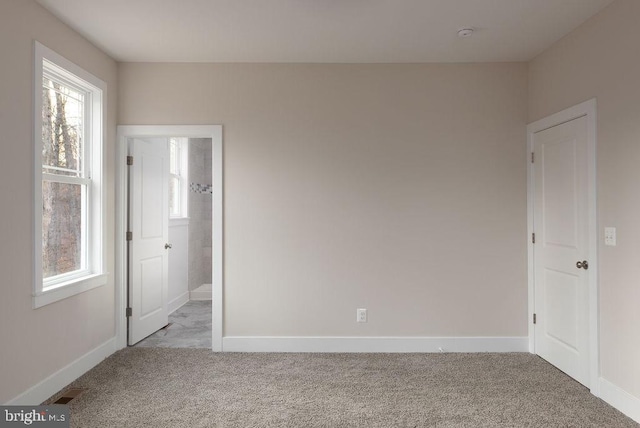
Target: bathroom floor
(189, 327)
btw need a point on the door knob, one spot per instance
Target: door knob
(167, 246)
(583, 265)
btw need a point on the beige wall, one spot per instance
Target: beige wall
(600, 59)
(36, 343)
(397, 188)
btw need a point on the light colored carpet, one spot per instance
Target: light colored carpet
(164, 387)
(189, 327)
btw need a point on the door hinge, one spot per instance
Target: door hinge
(533, 238)
(534, 318)
(129, 236)
(129, 160)
(532, 157)
(129, 312)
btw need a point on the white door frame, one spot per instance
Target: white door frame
(586, 109)
(191, 131)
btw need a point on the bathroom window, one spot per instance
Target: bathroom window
(68, 185)
(178, 177)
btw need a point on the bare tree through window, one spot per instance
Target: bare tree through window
(62, 202)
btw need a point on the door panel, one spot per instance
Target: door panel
(559, 192)
(561, 223)
(149, 224)
(152, 194)
(151, 295)
(560, 311)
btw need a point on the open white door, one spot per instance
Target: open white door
(562, 247)
(148, 247)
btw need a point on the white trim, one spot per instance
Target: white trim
(373, 344)
(68, 289)
(63, 377)
(66, 179)
(217, 210)
(178, 302)
(620, 399)
(191, 131)
(69, 66)
(586, 109)
(121, 192)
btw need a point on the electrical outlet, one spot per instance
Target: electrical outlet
(361, 315)
(610, 236)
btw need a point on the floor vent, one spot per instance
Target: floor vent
(69, 395)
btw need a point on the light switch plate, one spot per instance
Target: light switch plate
(610, 236)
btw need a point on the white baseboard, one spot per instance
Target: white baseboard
(198, 294)
(176, 303)
(374, 344)
(63, 377)
(620, 399)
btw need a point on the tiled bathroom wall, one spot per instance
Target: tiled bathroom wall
(200, 202)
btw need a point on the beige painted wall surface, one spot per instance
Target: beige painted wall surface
(36, 343)
(396, 188)
(600, 59)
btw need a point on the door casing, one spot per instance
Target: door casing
(586, 109)
(125, 132)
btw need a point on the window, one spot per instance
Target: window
(69, 220)
(178, 177)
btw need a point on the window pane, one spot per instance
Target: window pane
(174, 157)
(62, 128)
(62, 224)
(174, 196)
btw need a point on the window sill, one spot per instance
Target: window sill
(68, 289)
(178, 221)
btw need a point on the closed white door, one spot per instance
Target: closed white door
(149, 227)
(561, 226)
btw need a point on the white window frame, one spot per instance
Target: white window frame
(92, 275)
(182, 176)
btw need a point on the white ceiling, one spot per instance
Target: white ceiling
(323, 30)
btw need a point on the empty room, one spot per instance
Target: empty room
(318, 213)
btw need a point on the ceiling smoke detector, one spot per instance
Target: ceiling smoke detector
(465, 32)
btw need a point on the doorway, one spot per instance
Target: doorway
(143, 298)
(563, 294)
